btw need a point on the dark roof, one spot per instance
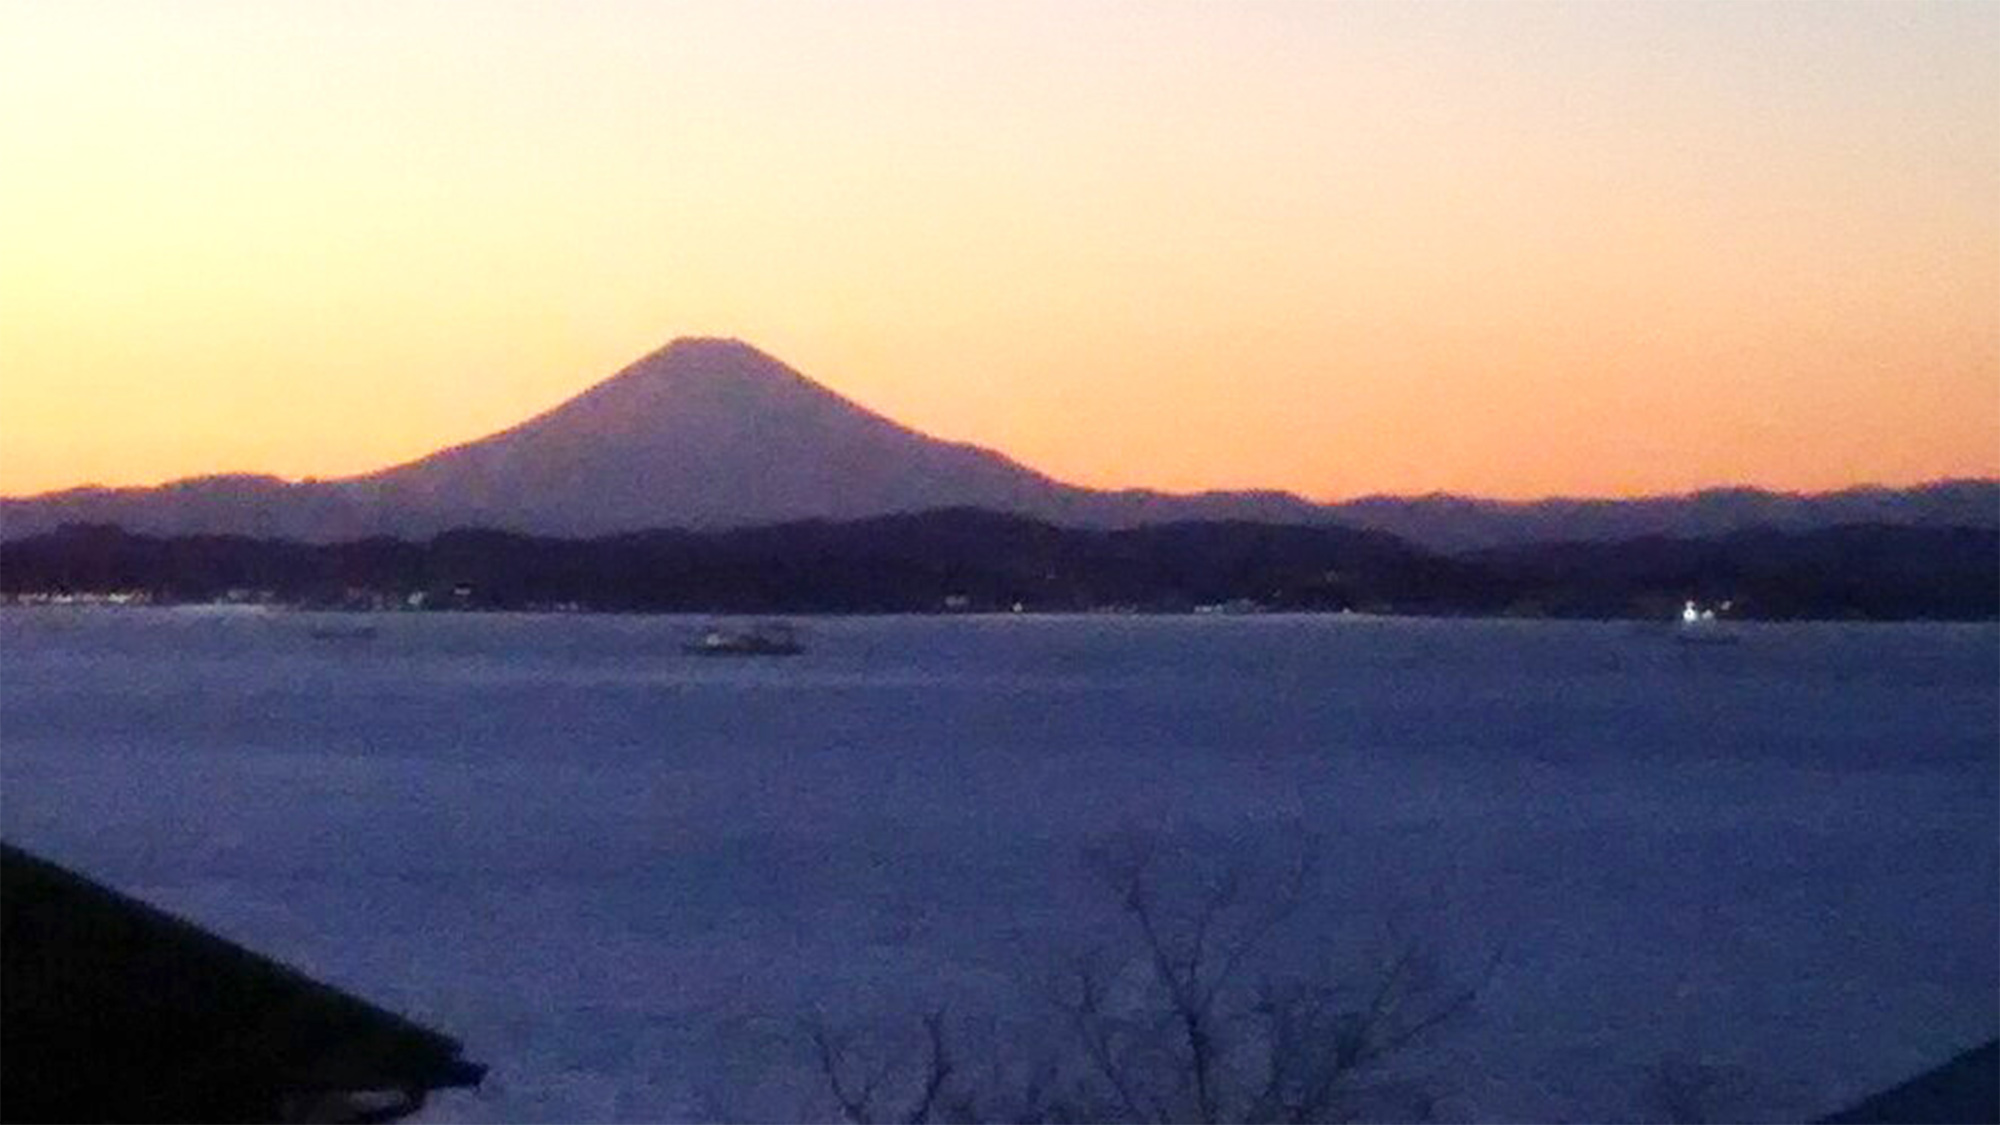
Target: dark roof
(1966, 1089)
(113, 1010)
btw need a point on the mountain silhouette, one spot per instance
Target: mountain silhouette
(711, 433)
(704, 433)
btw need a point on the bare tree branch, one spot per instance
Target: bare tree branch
(1167, 1033)
(1087, 1019)
(935, 1073)
(832, 1052)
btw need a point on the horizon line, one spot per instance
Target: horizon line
(1433, 495)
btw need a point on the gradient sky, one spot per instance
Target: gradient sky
(1515, 250)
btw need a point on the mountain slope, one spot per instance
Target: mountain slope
(703, 433)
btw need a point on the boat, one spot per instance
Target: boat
(1700, 626)
(770, 638)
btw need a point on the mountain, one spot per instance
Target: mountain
(703, 433)
(712, 433)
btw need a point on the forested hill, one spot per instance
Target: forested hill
(969, 560)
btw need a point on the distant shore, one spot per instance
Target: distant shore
(974, 562)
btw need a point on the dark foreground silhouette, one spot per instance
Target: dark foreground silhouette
(111, 1010)
(1966, 1089)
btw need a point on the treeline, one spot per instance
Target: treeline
(1854, 572)
(980, 561)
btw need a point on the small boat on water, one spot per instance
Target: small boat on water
(1700, 626)
(770, 638)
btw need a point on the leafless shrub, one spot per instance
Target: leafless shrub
(1167, 1024)
(857, 1086)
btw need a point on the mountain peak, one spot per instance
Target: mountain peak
(711, 355)
(704, 366)
(708, 348)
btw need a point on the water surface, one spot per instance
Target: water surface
(619, 873)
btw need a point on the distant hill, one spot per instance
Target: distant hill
(711, 434)
(1854, 571)
(983, 561)
(1456, 523)
(955, 558)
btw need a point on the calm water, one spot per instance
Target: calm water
(620, 873)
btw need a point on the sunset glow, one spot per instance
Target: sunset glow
(1505, 249)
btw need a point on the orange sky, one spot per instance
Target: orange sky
(1513, 250)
